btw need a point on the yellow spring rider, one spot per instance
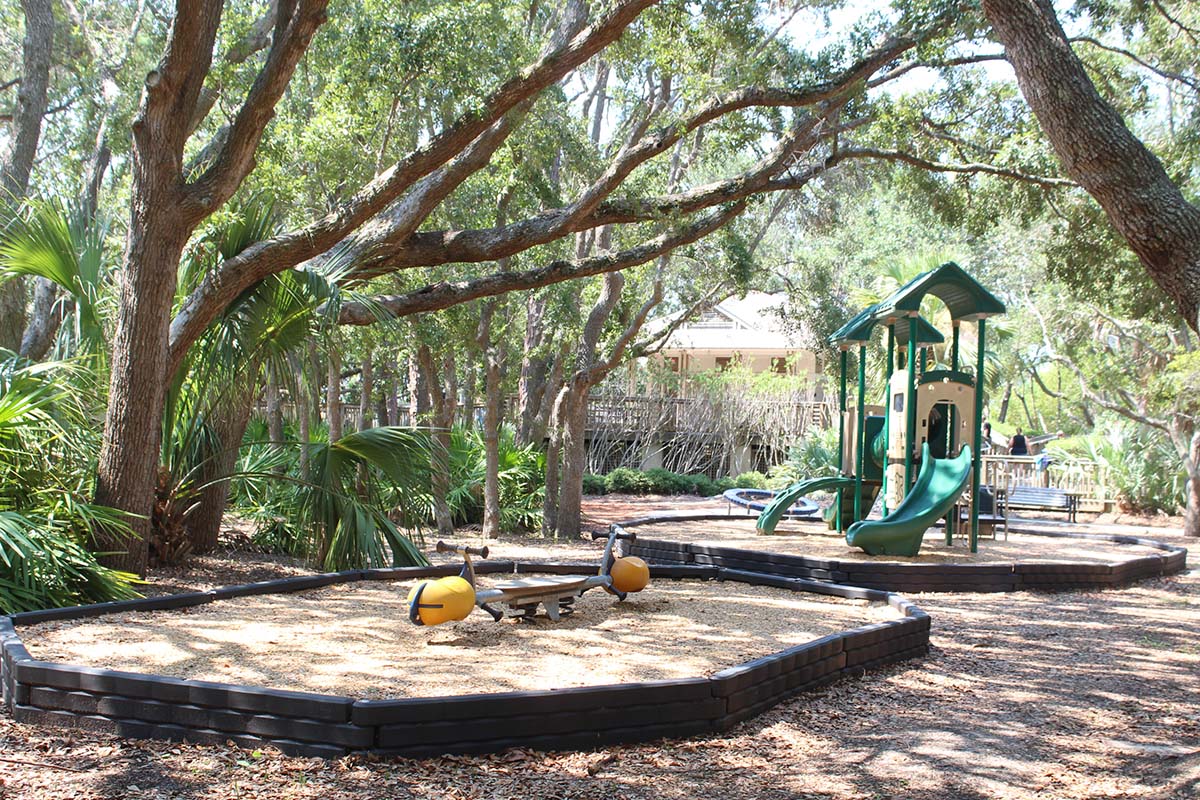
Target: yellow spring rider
(453, 598)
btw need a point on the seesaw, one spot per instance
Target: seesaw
(452, 598)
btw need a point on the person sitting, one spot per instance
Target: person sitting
(1017, 446)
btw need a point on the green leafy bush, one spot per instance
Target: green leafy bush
(47, 451)
(703, 485)
(626, 480)
(594, 484)
(1143, 469)
(663, 481)
(816, 456)
(750, 480)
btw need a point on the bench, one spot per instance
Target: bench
(1038, 498)
(990, 515)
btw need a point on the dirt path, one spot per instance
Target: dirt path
(1074, 696)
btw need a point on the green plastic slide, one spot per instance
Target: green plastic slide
(774, 512)
(940, 483)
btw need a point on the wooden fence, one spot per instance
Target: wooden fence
(1088, 479)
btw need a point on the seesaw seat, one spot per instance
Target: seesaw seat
(525, 587)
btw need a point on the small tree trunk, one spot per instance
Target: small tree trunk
(467, 408)
(304, 416)
(364, 401)
(333, 395)
(492, 414)
(45, 318)
(443, 402)
(553, 466)
(1004, 401)
(230, 420)
(274, 415)
(531, 390)
(22, 147)
(1191, 519)
(391, 394)
(574, 464)
(383, 382)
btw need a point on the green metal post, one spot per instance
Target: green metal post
(887, 409)
(910, 403)
(954, 347)
(862, 433)
(977, 460)
(841, 432)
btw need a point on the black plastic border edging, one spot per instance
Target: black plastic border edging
(906, 577)
(136, 705)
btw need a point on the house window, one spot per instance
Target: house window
(723, 362)
(672, 363)
(779, 366)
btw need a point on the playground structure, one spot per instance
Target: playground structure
(452, 598)
(919, 451)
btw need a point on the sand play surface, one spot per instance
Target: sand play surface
(355, 639)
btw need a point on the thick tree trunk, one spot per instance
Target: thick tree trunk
(26, 132)
(1004, 401)
(1099, 152)
(129, 454)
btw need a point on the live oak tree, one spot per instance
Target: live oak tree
(389, 142)
(1097, 150)
(378, 227)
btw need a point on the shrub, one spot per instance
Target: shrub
(703, 485)
(594, 484)
(626, 480)
(663, 481)
(750, 480)
(782, 475)
(816, 456)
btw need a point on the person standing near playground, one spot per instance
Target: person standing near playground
(1017, 446)
(986, 445)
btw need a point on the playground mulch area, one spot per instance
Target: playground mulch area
(1026, 696)
(355, 639)
(813, 538)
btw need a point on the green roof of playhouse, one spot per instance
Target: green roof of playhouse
(964, 296)
(862, 324)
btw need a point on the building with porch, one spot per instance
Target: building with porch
(749, 331)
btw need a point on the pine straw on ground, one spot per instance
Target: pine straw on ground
(1071, 696)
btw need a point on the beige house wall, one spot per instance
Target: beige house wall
(800, 362)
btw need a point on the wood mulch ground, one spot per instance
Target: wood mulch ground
(813, 538)
(1071, 696)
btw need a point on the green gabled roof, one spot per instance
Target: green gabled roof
(858, 330)
(964, 296)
